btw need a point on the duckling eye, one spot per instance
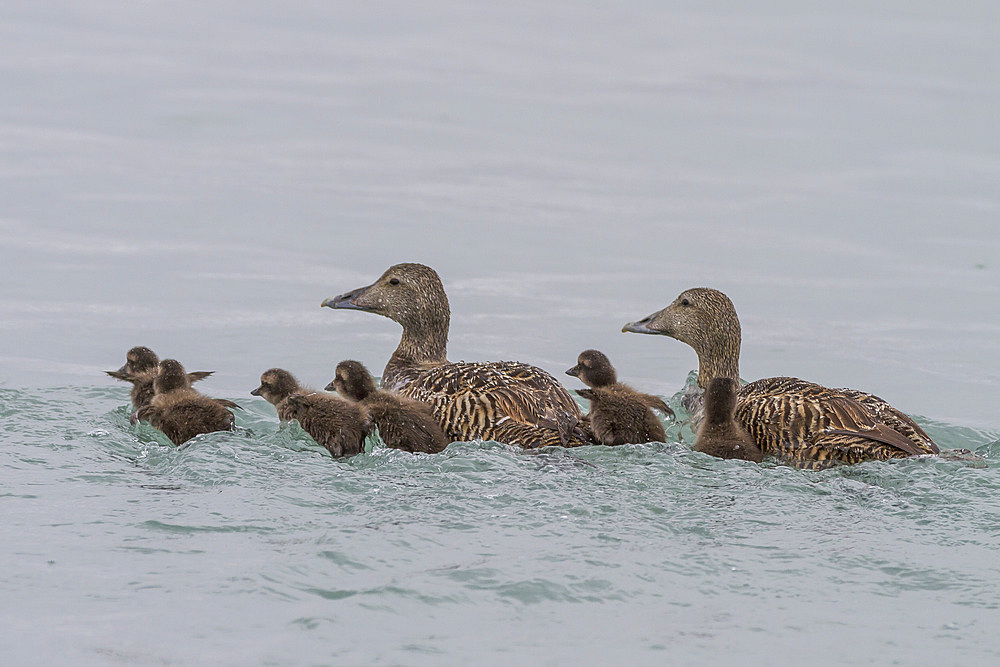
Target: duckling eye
(393, 281)
(685, 302)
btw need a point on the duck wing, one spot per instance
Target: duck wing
(471, 400)
(809, 424)
(894, 419)
(657, 403)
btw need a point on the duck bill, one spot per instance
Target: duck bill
(643, 326)
(256, 392)
(575, 371)
(331, 387)
(347, 300)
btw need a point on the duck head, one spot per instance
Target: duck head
(705, 319)
(276, 384)
(413, 296)
(720, 400)
(594, 369)
(352, 381)
(139, 360)
(405, 293)
(170, 376)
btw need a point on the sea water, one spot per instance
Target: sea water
(198, 177)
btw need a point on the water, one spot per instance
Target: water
(199, 178)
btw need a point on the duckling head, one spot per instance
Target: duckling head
(410, 294)
(720, 400)
(139, 360)
(706, 320)
(170, 376)
(594, 369)
(352, 381)
(276, 384)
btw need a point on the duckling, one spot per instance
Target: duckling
(334, 423)
(505, 401)
(595, 370)
(276, 385)
(720, 434)
(140, 369)
(804, 423)
(402, 422)
(618, 413)
(180, 411)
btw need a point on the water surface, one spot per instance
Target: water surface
(198, 178)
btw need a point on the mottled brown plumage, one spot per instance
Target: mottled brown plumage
(719, 433)
(402, 423)
(801, 422)
(179, 411)
(338, 425)
(618, 413)
(505, 401)
(140, 369)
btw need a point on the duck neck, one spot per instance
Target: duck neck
(719, 357)
(422, 343)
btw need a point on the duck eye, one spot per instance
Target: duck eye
(393, 281)
(685, 302)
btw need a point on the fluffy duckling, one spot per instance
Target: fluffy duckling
(180, 411)
(505, 401)
(334, 423)
(595, 370)
(618, 414)
(720, 434)
(402, 422)
(276, 385)
(802, 422)
(140, 369)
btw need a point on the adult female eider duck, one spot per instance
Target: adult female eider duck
(618, 414)
(801, 422)
(338, 425)
(720, 434)
(179, 411)
(140, 369)
(402, 422)
(504, 401)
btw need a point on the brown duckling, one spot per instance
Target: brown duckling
(334, 423)
(720, 434)
(338, 425)
(276, 385)
(802, 422)
(595, 370)
(180, 411)
(402, 422)
(618, 413)
(505, 401)
(140, 369)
